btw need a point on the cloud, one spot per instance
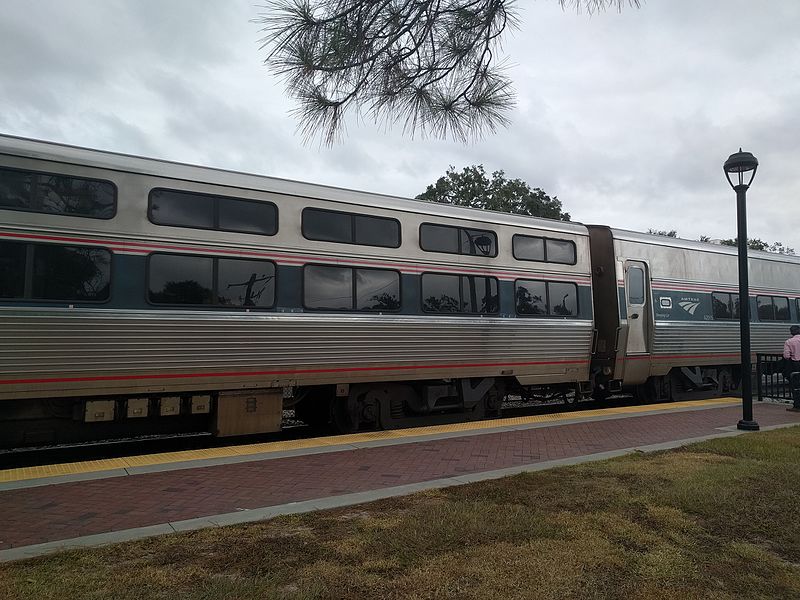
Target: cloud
(627, 117)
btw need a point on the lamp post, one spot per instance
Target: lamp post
(739, 167)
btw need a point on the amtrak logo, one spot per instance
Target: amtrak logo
(690, 306)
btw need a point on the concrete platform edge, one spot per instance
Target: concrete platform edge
(268, 512)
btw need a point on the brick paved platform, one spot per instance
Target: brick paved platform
(35, 517)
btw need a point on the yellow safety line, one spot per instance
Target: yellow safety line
(109, 464)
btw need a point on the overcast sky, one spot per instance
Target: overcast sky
(626, 117)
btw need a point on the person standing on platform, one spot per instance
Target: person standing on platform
(791, 352)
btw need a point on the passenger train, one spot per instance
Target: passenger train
(141, 296)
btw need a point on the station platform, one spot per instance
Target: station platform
(48, 508)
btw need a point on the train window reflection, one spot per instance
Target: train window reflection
(560, 251)
(531, 297)
(457, 240)
(350, 228)
(248, 216)
(245, 282)
(562, 299)
(540, 249)
(345, 288)
(479, 294)
(180, 279)
(12, 269)
(772, 308)
(327, 226)
(183, 209)
(441, 293)
(526, 247)
(33, 191)
(721, 307)
(546, 298)
(635, 285)
(71, 273)
(444, 293)
(208, 211)
(376, 231)
(327, 288)
(377, 289)
(438, 238)
(781, 308)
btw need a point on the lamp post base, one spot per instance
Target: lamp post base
(748, 425)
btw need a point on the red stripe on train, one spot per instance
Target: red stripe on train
(288, 372)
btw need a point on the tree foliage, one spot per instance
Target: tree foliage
(671, 233)
(434, 65)
(759, 244)
(473, 188)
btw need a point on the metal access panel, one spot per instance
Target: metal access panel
(169, 405)
(247, 412)
(99, 410)
(201, 404)
(138, 407)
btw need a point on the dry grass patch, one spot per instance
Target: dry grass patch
(714, 520)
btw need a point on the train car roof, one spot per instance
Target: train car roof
(662, 240)
(115, 161)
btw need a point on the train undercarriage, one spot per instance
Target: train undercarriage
(339, 408)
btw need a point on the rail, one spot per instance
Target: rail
(772, 382)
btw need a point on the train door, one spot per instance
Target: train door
(637, 350)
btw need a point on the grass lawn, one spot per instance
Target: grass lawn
(720, 519)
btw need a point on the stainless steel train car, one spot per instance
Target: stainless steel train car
(140, 296)
(667, 312)
(144, 296)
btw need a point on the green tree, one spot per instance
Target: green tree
(435, 65)
(671, 233)
(473, 188)
(758, 244)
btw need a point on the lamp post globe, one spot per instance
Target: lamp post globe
(740, 170)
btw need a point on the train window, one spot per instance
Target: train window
(245, 282)
(797, 307)
(70, 273)
(350, 228)
(180, 279)
(345, 288)
(327, 288)
(781, 309)
(562, 299)
(772, 308)
(724, 305)
(560, 251)
(526, 247)
(32, 191)
(441, 293)
(457, 240)
(327, 226)
(479, 294)
(459, 294)
(207, 211)
(376, 231)
(59, 273)
(540, 249)
(531, 297)
(208, 281)
(12, 269)
(248, 216)
(635, 285)
(377, 289)
(553, 298)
